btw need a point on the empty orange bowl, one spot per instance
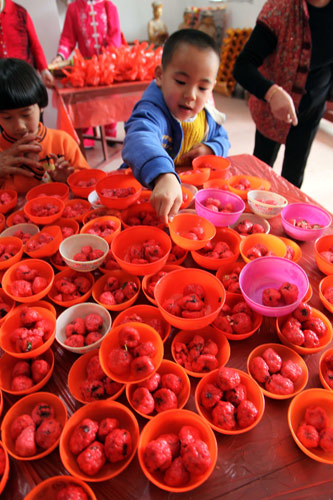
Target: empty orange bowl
(227, 235)
(33, 207)
(106, 227)
(123, 278)
(82, 311)
(149, 281)
(98, 411)
(272, 243)
(171, 422)
(25, 405)
(47, 249)
(213, 162)
(147, 314)
(324, 244)
(324, 340)
(286, 354)
(166, 367)
(196, 176)
(76, 209)
(133, 238)
(8, 200)
(82, 182)
(253, 394)
(5, 475)
(73, 244)
(54, 189)
(118, 191)
(17, 247)
(296, 413)
(43, 269)
(171, 288)
(236, 181)
(324, 286)
(71, 274)
(77, 376)
(185, 228)
(50, 488)
(209, 336)
(325, 369)
(8, 362)
(13, 322)
(111, 342)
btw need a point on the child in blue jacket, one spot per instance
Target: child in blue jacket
(172, 123)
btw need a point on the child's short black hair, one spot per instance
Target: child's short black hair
(196, 38)
(20, 85)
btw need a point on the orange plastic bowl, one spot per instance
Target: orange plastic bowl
(171, 421)
(121, 181)
(231, 300)
(25, 227)
(147, 314)
(323, 369)
(6, 207)
(11, 240)
(296, 412)
(273, 243)
(17, 217)
(111, 341)
(26, 405)
(324, 285)
(293, 245)
(229, 236)
(4, 298)
(138, 235)
(254, 395)
(100, 212)
(5, 475)
(68, 223)
(226, 268)
(88, 228)
(7, 364)
(77, 375)
(2, 221)
(123, 278)
(43, 268)
(90, 177)
(324, 340)
(171, 286)
(54, 189)
(1, 403)
(72, 245)
(207, 333)
(177, 255)
(49, 488)
(323, 244)
(285, 354)
(216, 184)
(146, 280)
(255, 183)
(46, 250)
(81, 208)
(196, 176)
(42, 202)
(98, 411)
(183, 224)
(66, 274)
(165, 367)
(13, 322)
(38, 303)
(188, 196)
(213, 162)
(135, 212)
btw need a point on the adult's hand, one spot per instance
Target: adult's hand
(282, 105)
(47, 78)
(12, 158)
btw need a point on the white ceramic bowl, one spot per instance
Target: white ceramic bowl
(25, 228)
(258, 201)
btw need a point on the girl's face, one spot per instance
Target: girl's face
(20, 121)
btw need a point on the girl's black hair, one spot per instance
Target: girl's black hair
(20, 85)
(190, 37)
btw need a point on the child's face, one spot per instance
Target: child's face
(20, 121)
(188, 80)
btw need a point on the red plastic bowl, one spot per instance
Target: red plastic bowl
(118, 181)
(92, 175)
(323, 244)
(214, 162)
(45, 200)
(229, 236)
(6, 207)
(54, 189)
(49, 488)
(147, 313)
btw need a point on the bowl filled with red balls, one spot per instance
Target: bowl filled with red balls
(222, 208)
(149, 281)
(229, 400)
(84, 252)
(326, 292)
(223, 248)
(82, 182)
(71, 287)
(305, 222)
(273, 286)
(306, 330)
(177, 450)
(44, 210)
(310, 419)
(266, 203)
(8, 200)
(261, 245)
(87, 382)
(280, 372)
(99, 441)
(323, 251)
(106, 227)
(326, 369)
(61, 487)
(58, 190)
(131, 352)
(241, 184)
(250, 224)
(189, 298)
(118, 191)
(82, 327)
(191, 231)
(32, 426)
(116, 290)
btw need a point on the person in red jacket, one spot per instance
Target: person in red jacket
(18, 38)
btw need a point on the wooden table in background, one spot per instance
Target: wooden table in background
(264, 463)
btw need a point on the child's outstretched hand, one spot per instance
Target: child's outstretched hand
(166, 197)
(197, 150)
(62, 169)
(24, 151)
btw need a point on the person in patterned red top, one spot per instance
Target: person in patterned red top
(18, 38)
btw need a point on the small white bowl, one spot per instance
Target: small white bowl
(94, 200)
(73, 244)
(24, 227)
(258, 202)
(81, 311)
(255, 219)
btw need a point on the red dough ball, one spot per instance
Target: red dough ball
(291, 370)
(310, 339)
(119, 361)
(48, 433)
(19, 424)
(273, 360)
(39, 370)
(241, 322)
(25, 442)
(308, 435)
(143, 400)
(29, 317)
(236, 395)
(157, 455)
(42, 411)
(94, 370)
(196, 457)
(107, 425)
(152, 382)
(246, 413)
(289, 292)
(129, 336)
(92, 458)
(72, 492)
(279, 384)
(210, 395)
(227, 378)
(316, 416)
(93, 322)
(21, 368)
(83, 435)
(92, 337)
(177, 474)
(271, 297)
(165, 399)
(21, 383)
(145, 349)
(316, 325)
(118, 445)
(187, 434)
(173, 441)
(223, 415)
(111, 387)
(302, 312)
(142, 366)
(326, 440)
(75, 341)
(92, 390)
(171, 381)
(293, 334)
(259, 369)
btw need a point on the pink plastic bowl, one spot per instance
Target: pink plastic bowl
(267, 272)
(304, 211)
(219, 219)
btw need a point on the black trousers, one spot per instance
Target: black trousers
(297, 147)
